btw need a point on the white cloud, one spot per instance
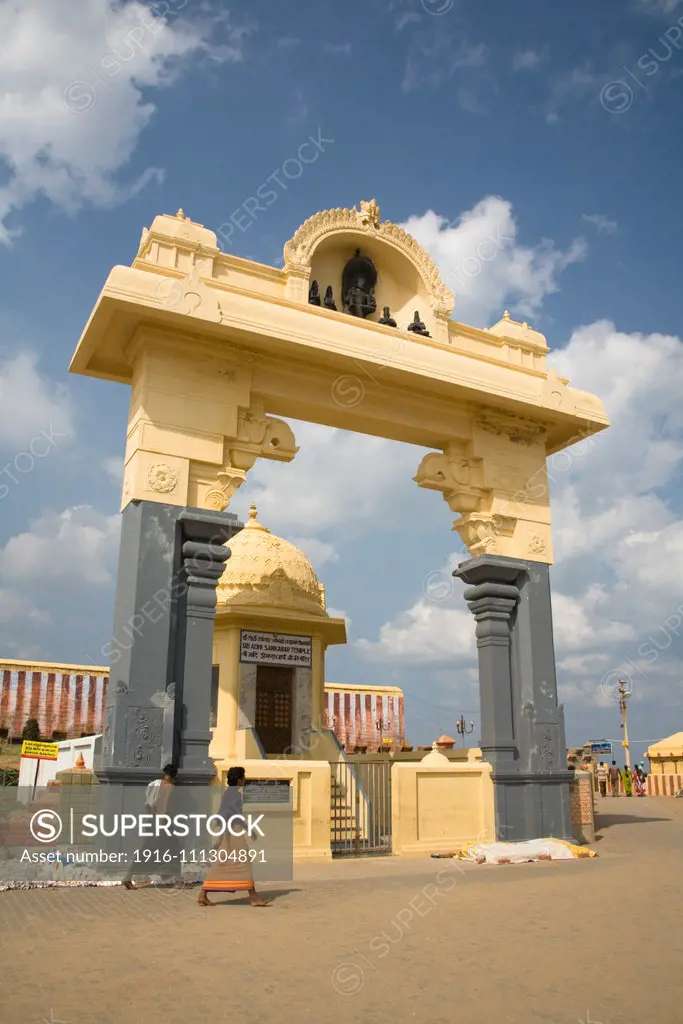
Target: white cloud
(77, 544)
(526, 60)
(426, 633)
(602, 223)
(435, 57)
(73, 83)
(338, 49)
(336, 479)
(577, 625)
(113, 467)
(317, 551)
(659, 6)
(484, 265)
(16, 608)
(337, 613)
(34, 410)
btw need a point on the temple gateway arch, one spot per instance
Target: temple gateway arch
(355, 332)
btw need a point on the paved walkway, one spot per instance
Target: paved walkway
(372, 941)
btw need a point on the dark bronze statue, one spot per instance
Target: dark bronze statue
(387, 318)
(314, 294)
(328, 301)
(417, 327)
(358, 285)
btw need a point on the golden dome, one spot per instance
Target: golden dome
(270, 572)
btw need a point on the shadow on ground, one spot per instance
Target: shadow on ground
(243, 901)
(603, 821)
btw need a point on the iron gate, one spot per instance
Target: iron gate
(360, 813)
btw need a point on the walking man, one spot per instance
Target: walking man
(602, 778)
(614, 776)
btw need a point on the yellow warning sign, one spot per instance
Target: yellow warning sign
(44, 751)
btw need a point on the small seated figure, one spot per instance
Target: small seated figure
(387, 318)
(329, 298)
(417, 327)
(314, 294)
(359, 300)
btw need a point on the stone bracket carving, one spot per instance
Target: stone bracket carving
(258, 436)
(458, 476)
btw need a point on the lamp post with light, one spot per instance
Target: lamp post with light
(462, 728)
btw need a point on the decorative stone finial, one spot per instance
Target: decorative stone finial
(181, 215)
(369, 213)
(80, 763)
(435, 756)
(253, 523)
(506, 315)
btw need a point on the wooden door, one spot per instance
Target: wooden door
(273, 720)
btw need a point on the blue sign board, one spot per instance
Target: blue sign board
(601, 748)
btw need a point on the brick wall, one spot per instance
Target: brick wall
(582, 808)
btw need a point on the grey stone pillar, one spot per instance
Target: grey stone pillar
(143, 717)
(203, 561)
(522, 726)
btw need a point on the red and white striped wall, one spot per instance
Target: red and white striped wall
(663, 785)
(353, 715)
(64, 698)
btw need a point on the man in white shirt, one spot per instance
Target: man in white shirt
(602, 778)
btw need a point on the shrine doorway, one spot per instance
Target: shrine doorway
(274, 700)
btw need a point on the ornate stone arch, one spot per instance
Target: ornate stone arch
(299, 250)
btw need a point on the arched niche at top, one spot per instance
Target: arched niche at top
(407, 278)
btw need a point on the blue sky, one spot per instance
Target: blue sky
(555, 129)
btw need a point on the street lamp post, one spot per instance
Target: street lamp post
(624, 695)
(462, 728)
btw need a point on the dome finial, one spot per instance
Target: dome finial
(252, 522)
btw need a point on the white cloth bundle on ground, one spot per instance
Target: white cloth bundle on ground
(522, 853)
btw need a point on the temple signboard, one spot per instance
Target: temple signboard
(275, 649)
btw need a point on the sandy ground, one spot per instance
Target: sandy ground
(596, 941)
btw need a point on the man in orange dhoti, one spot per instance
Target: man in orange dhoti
(230, 873)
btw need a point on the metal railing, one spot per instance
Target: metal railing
(360, 814)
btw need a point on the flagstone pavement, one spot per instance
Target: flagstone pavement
(596, 941)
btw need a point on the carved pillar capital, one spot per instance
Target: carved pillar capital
(482, 532)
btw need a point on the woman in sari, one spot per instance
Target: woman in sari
(228, 873)
(639, 781)
(627, 780)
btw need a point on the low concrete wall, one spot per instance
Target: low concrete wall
(310, 782)
(438, 805)
(663, 785)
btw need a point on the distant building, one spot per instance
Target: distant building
(365, 716)
(69, 701)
